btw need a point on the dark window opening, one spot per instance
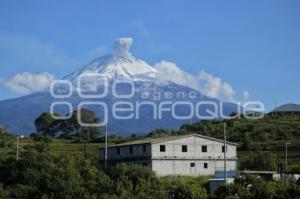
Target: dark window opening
(224, 148)
(144, 164)
(204, 148)
(162, 148)
(205, 165)
(193, 164)
(184, 148)
(144, 148)
(118, 151)
(130, 150)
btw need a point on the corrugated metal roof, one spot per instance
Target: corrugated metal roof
(167, 138)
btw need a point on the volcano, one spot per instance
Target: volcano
(150, 105)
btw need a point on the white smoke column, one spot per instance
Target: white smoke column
(122, 46)
(246, 95)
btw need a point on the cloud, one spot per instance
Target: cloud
(227, 90)
(208, 84)
(122, 46)
(26, 82)
(214, 86)
(170, 72)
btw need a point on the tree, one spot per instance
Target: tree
(6, 140)
(185, 187)
(41, 174)
(159, 133)
(136, 181)
(87, 117)
(46, 124)
(259, 161)
(43, 122)
(246, 141)
(3, 192)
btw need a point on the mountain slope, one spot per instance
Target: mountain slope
(287, 108)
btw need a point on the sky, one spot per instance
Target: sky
(252, 47)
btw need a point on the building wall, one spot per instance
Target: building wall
(175, 162)
(183, 167)
(137, 152)
(194, 149)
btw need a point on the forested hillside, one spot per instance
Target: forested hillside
(67, 167)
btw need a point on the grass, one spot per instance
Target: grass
(57, 146)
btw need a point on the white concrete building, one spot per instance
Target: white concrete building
(190, 155)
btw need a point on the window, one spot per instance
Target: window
(223, 149)
(144, 164)
(204, 148)
(205, 165)
(118, 151)
(184, 148)
(192, 164)
(144, 148)
(162, 148)
(130, 149)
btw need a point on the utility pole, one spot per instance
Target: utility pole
(17, 155)
(275, 109)
(105, 155)
(286, 154)
(83, 140)
(225, 160)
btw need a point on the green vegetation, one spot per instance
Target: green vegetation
(69, 128)
(67, 167)
(41, 174)
(261, 142)
(252, 187)
(260, 161)
(250, 131)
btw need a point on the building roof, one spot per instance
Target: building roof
(167, 138)
(258, 172)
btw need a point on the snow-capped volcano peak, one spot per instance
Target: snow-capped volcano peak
(121, 64)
